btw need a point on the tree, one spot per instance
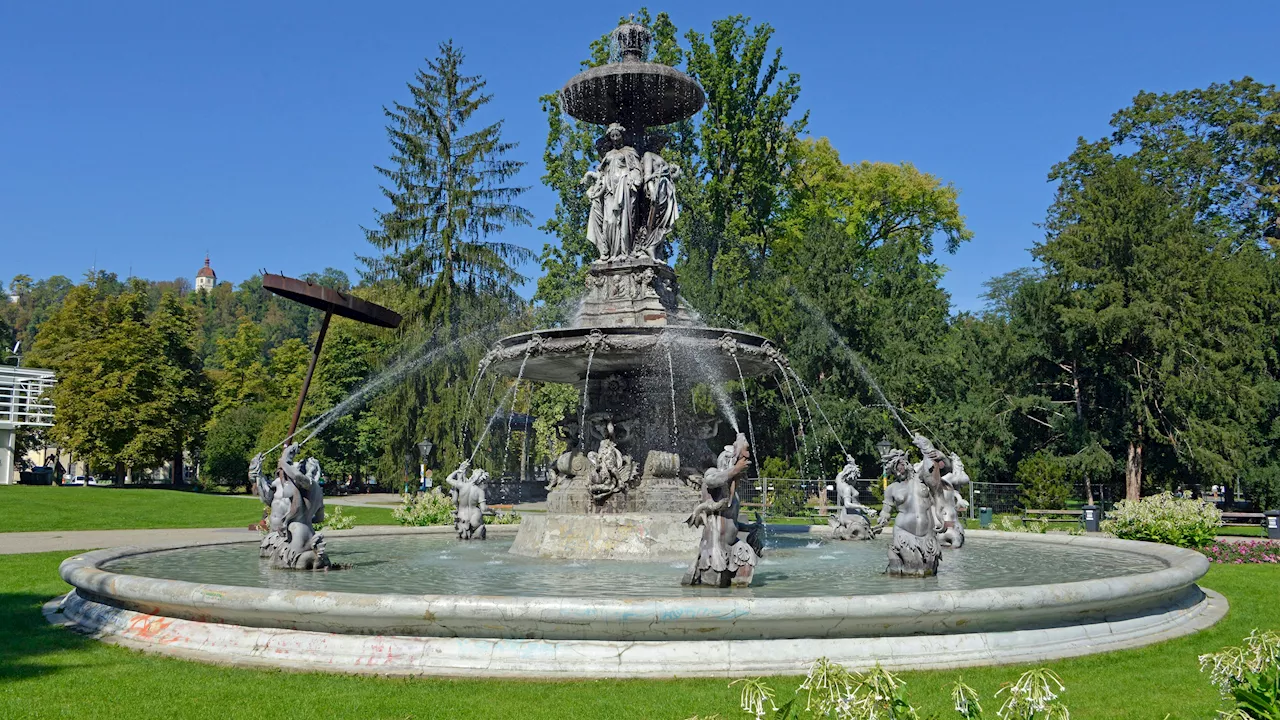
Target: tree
(230, 444)
(448, 194)
(186, 388)
(439, 265)
(1157, 311)
(745, 145)
(1215, 147)
(129, 392)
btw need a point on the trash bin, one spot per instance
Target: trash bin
(1273, 524)
(984, 516)
(1091, 516)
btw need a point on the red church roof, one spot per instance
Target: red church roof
(206, 271)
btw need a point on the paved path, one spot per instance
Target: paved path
(12, 543)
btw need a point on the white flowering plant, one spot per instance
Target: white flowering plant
(427, 508)
(1165, 519)
(1248, 675)
(335, 519)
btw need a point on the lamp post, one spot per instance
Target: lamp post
(883, 447)
(424, 449)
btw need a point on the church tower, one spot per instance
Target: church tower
(206, 278)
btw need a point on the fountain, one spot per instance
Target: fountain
(625, 488)
(699, 593)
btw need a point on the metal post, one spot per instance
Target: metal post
(306, 382)
(7, 451)
(971, 508)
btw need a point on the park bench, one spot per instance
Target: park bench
(1243, 519)
(1051, 515)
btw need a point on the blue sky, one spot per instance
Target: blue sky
(143, 134)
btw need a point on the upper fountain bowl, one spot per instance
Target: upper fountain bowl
(632, 92)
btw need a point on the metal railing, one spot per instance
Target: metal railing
(24, 398)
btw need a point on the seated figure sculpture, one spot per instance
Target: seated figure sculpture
(296, 500)
(915, 551)
(468, 499)
(952, 505)
(724, 557)
(853, 520)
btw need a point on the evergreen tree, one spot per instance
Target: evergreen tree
(439, 264)
(449, 194)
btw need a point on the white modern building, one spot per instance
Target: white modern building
(24, 400)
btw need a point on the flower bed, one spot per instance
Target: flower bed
(1240, 553)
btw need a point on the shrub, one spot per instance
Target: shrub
(1044, 483)
(1248, 675)
(335, 519)
(427, 508)
(505, 517)
(1165, 519)
(1240, 553)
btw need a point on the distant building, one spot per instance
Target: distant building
(206, 278)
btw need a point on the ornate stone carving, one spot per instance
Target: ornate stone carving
(724, 557)
(915, 551)
(853, 520)
(469, 501)
(611, 471)
(296, 500)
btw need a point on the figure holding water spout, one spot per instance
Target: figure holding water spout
(915, 551)
(724, 557)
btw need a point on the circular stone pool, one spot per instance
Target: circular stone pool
(419, 602)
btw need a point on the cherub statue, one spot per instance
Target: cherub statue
(952, 505)
(915, 550)
(469, 501)
(724, 557)
(852, 521)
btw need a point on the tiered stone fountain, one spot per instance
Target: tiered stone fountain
(627, 482)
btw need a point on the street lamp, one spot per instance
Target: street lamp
(884, 446)
(424, 449)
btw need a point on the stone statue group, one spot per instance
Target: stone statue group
(927, 497)
(295, 502)
(625, 176)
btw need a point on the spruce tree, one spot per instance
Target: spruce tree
(449, 195)
(439, 263)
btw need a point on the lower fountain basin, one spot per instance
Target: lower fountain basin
(539, 617)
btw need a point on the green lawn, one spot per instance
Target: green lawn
(28, 508)
(49, 672)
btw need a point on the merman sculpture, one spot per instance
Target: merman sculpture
(853, 520)
(915, 551)
(469, 501)
(724, 557)
(296, 500)
(952, 505)
(611, 470)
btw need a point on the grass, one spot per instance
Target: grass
(30, 508)
(50, 672)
